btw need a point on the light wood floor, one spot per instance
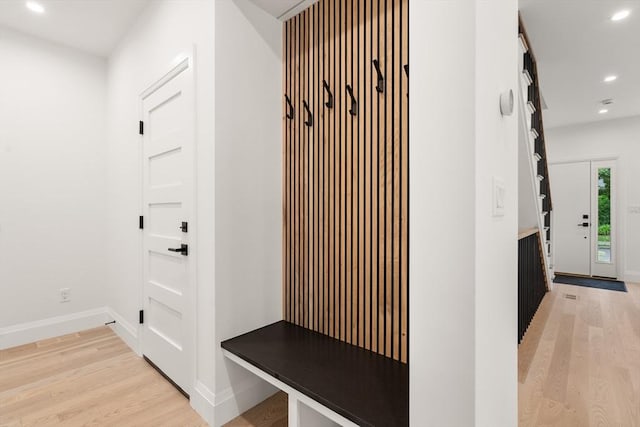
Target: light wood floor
(88, 378)
(579, 363)
(270, 413)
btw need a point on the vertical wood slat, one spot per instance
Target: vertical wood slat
(345, 178)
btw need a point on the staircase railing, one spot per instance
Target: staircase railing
(530, 78)
(534, 245)
(531, 279)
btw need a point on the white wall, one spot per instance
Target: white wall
(52, 179)
(463, 293)
(248, 189)
(164, 30)
(442, 172)
(609, 139)
(496, 243)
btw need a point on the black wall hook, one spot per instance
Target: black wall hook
(329, 102)
(290, 112)
(354, 104)
(380, 85)
(309, 121)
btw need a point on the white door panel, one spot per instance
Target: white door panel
(571, 202)
(167, 177)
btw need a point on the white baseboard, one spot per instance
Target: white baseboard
(125, 330)
(234, 401)
(25, 333)
(203, 402)
(218, 409)
(632, 276)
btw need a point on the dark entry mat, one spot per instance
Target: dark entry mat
(591, 282)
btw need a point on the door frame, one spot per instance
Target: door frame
(614, 199)
(182, 62)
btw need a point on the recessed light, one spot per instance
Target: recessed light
(35, 7)
(603, 111)
(609, 79)
(619, 16)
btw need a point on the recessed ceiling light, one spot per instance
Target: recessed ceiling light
(603, 111)
(619, 16)
(35, 7)
(609, 79)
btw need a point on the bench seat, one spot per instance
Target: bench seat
(359, 385)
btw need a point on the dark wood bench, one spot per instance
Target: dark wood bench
(358, 386)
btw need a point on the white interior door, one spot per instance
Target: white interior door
(168, 170)
(572, 217)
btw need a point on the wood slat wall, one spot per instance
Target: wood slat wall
(345, 177)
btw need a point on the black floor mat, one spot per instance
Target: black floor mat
(591, 282)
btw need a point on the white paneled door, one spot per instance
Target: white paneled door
(572, 217)
(168, 205)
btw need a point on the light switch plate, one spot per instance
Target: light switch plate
(498, 196)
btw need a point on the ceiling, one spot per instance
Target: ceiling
(283, 9)
(93, 26)
(576, 45)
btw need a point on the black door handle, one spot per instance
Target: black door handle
(584, 224)
(183, 249)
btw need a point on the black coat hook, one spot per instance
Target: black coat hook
(329, 102)
(406, 69)
(380, 85)
(290, 112)
(309, 121)
(354, 104)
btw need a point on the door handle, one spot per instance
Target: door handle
(583, 224)
(183, 249)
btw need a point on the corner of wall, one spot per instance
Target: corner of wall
(632, 276)
(218, 409)
(125, 330)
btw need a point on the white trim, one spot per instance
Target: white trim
(235, 400)
(125, 330)
(293, 393)
(218, 409)
(182, 65)
(613, 157)
(25, 333)
(293, 11)
(203, 402)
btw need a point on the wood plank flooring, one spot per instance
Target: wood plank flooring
(87, 378)
(270, 413)
(579, 363)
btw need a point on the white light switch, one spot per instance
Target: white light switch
(498, 196)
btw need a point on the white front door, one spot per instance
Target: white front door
(168, 170)
(584, 209)
(571, 192)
